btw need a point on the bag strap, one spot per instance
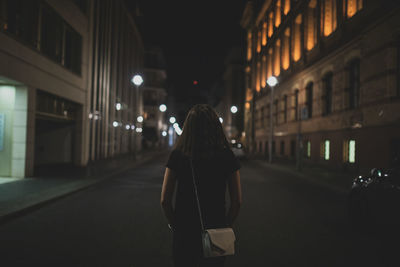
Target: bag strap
(197, 195)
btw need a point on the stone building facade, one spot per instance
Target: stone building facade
(337, 102)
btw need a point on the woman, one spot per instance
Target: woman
(202, 145)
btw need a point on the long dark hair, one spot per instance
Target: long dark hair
(202, 133)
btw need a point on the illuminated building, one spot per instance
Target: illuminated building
(337, 103)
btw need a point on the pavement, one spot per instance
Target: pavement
(18, 196)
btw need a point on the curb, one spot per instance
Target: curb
(306, 177)
(16, 208)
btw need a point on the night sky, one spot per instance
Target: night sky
(195, 37)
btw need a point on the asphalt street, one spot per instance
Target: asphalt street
(284, 221)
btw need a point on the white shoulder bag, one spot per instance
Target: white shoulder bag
(216, 242)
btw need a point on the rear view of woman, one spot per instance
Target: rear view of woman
(204, 147)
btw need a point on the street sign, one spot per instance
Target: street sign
(2, 124)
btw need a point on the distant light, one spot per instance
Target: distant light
(272, 81)
(132, 127)
(352, 151)
(90, 116)
(233, 141)
(175, 125)
(172, 120)
(115, 123)
(234, 109)
(221, 119)
(96, 117)
(164, 133)
(327, 148)
(140, 119)
(163, 108)
(195, 82)
(139, 130)
(239, 145)
(127, 126)
(118, 106)
(137, 80)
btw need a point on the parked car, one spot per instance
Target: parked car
(238, 150)
(374, 199)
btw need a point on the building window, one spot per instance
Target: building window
(296, 39)
(328, 17)
(270, 24)
(73, 50)
(308, 149)
(351, 7)
(282, 148)
(354, 83)
(311, 25)
(325, 149)
(264, 71)
(269, 63)
(276, 111)
(264, 34)
(258, 76)
(262, 117)
(259, 41)
(285, 108)
(286, 6)
(309, 99)
(277, 58)
(52, 34)
(20, 19)
(249, 45)
(286, 50)
(296, 105)
(349, 151)
(278, 13)
(327, 94)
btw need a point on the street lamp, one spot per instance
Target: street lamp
(163, 108)
(272, 81)
(234, 109)
(172, 120)
(137, 80)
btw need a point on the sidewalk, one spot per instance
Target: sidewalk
(20, 195)
(338, 181)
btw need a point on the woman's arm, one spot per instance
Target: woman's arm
(167, 193)
(235, 193)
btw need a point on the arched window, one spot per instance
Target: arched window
(296, 38)
(286, 6)
(354, 83)
(351, 7)
(249, 45)
(285, 108)
(270, 24)
(310, 31)
(328, 17)
(264, 34)
(309, 99)
(296, 105)
(269, 63)
(278, 13)
(264, 71)
(286, 50)
(327, 94)
(277, 58)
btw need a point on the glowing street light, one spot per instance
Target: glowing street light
(127, 126)
(118, 106)
(115, 124)
(140, 119)
(164, 133)
(221, 119)
(272, 81)
(172, 120)
(137, 80)
(163, 108)
(234, 109)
